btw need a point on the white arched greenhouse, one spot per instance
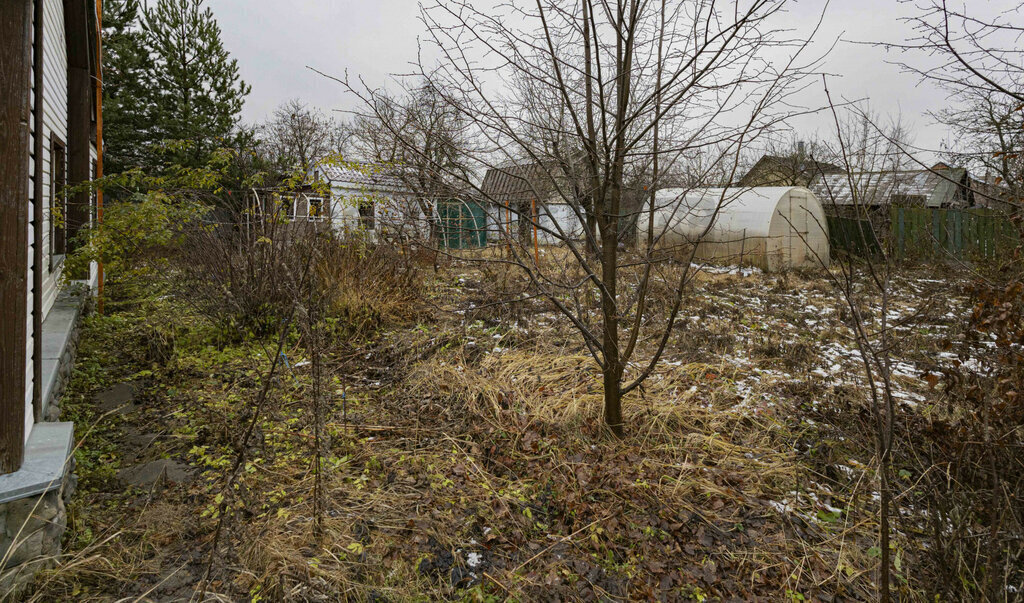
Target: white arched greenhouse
(771, 227)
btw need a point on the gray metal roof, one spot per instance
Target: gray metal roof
(938, 188)
(364, 175)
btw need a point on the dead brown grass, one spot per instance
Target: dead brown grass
(371, 285)
(502, 457)
(468, 461)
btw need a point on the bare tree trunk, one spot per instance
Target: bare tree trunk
(591, 224)
(612, 360)
(316, 342)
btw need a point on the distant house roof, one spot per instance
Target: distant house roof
(991, 191)
(376, 177)
(520, 183)
(948, 187)
(786, 170)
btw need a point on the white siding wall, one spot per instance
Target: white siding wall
(498, 217)
(55, 121)
(566, 218)
(55, 95)
(393, 211)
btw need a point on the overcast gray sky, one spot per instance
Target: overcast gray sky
(275, 41)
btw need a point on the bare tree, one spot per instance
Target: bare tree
(870, 142)
(866, 149)
(602, 99)
(873, 154)
(975, 56)
(963, 50)
(298, 136)
(990, 141)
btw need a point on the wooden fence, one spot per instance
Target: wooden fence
(969, 234)
(853, 236)
(923, 233)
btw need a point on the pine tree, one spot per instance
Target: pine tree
(126, 98)
(197, 91)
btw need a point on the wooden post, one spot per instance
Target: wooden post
(536, 247)
(958, 233)
(15, 66)
(508, 227)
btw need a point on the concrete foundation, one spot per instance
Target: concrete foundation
(33, 500)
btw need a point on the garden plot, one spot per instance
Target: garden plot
(468, 459)
(762, 369)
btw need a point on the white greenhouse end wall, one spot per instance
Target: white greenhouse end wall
(774, 228)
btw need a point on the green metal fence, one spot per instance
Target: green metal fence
(463, 224)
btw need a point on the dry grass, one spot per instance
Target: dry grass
(372, 285)
(468, 459)
(490, 435)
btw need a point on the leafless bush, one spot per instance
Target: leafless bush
(371, 284)
(233, 270)
(972, 449)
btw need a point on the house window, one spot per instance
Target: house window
(58, 202)
(366, 214)
(316, 209)
(285, 204)
(301, 206)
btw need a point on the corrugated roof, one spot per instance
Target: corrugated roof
(362, 175)
(516, 183)
(938, 188)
